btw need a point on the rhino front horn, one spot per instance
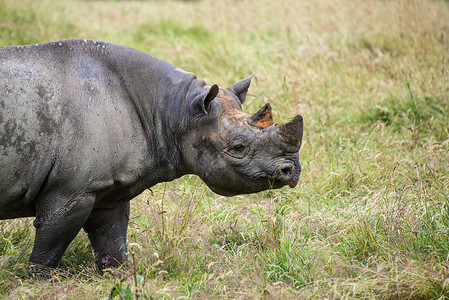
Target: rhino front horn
(291, 133)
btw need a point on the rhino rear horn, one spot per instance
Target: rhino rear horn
(291, 133)
(240, 89)
(263, 118)
(201, 103)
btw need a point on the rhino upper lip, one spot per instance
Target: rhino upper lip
(271, 174)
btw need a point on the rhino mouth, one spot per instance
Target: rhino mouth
(275, 184)
(284, 174)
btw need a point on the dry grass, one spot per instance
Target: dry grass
(370, 216)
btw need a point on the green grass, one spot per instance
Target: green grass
(370, 216)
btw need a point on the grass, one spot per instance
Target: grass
(370, 216)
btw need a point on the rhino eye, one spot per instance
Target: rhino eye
(237, 148)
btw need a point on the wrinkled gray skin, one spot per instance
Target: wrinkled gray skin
(85, 126)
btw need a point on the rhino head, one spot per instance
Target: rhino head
(236, 153)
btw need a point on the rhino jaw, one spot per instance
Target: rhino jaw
(283, 172)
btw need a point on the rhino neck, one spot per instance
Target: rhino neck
(157, 91)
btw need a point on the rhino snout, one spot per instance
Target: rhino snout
(288, 174)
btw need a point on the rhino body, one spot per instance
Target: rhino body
(85, 126)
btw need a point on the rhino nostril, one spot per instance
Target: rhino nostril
(286, 171)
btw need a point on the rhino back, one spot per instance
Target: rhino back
(66, 119)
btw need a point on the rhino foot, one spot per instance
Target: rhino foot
(39, 272)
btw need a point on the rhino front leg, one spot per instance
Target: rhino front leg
(107, 229)
(58, 221)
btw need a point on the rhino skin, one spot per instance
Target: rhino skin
(85, 126)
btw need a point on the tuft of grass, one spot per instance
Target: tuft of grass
(416, 114)
(28, 22)
(172, 32)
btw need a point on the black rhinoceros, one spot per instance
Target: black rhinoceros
(85, 126)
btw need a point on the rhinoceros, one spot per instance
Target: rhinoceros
(85, 126)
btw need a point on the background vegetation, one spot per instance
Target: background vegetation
(370, 216)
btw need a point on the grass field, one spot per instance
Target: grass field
(370, 216)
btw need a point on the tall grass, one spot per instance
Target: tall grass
(370, 216)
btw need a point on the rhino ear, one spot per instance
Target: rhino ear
(241, 88)
(201, 103)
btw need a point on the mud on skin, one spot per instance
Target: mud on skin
(90, 120)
